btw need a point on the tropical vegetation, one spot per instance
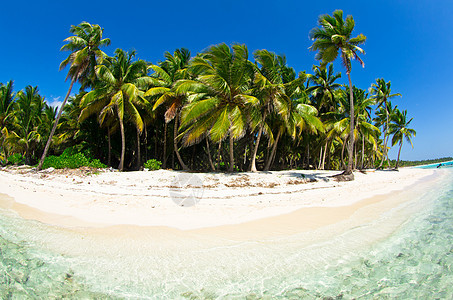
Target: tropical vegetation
(224, 109)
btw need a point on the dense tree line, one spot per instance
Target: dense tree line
(222, 109)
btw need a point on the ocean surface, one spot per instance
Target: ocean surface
(406, 253)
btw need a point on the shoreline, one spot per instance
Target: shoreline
(150, 199)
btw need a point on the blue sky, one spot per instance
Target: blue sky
(409, 43)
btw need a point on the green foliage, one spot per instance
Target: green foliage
(71, 159)
(16, 159)
(153, 164)
(408, 163)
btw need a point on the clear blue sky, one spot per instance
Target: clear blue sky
(409, 43)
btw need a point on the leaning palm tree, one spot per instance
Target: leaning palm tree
(221, 97)
(164, 79)
(382, 92)
(270, 89)
(399, 127)
(120, 91)
(332, 37)
(85, 54)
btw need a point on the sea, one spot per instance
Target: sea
(404, 253)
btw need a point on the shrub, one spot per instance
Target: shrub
(71, 160)
(153, 164)
(16, 159)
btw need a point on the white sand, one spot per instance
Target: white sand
(151, 198)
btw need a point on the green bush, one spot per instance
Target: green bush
(71, 160)
(16, 159)
(153, 164)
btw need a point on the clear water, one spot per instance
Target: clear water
(448, 164)
(407, 253)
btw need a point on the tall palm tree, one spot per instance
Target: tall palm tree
(7, 96)
(168, 72)
(27, 117)
(332, 37)
(322, 87)
(120, 91)
(382, 92)
(85, 54)
(221, 96)
(339, 121)
(270, 89)
(399, 127)
(383, 116)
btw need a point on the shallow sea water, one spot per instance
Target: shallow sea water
(406, 253)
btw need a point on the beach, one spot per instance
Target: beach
(212, 199)
(126, 235)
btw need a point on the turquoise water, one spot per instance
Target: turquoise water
(443, 165)
(406, 253)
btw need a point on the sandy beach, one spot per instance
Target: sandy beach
(189, 201)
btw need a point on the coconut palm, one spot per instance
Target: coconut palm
(300, 115)
(24, 135)
(7, 96)
(121, 80)
(339, 121)
(383, 115)
(399, 127)
(382, 92)
(166, 75)
(270, 89)
(85, 54)
(334, 36)
(221, 99)
(322, 87)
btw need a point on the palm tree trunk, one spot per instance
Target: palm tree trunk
(209, 155)
(273, 152)
(219, 154)
(384, 153)
(164, 163)
(351, 132)
(324, 156)
(49, 141)
(342, 153)
(260, 131)
(109, 157)
(320, 159)
(255, 150)
(399, 152)
(123, 146)
(231, 167)
(363, 151)
(138, 148)
(175, 143)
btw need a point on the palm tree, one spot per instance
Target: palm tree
(384, 114)
(85, 54)
(27, 117)
(381, 92)
(322, 91)
(339, 121)
(120, 92)
(270, 89)
(221, 97)
(332, 37)
(7, 96)
(168, 72)
(399, 127)
(322, 87)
